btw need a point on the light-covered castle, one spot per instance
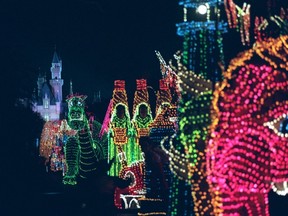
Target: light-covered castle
(49, 96)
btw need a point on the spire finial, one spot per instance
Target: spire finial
(55, 57)
(71, 88)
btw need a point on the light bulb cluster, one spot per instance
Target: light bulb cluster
(53, 138)
(48, 139)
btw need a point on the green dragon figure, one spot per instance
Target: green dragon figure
(82, 152)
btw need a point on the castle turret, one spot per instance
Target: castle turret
(56, 82)
(56, 67)
(48, 102)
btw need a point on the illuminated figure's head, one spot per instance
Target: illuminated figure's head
(248, 151)
(120, 111)
(143, 110)
(76, 112)
(120, 108)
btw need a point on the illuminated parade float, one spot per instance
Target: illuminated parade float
(142, 114)
(219, 167)
(120, 130)
(81, 152)
(217, 144)
(123, 146)
(247, 153)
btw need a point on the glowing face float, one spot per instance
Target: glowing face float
(246, 153)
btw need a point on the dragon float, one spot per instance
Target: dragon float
(82, 152)
(73, 145)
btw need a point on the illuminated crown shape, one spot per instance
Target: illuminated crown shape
(119, 93)
(76, 95)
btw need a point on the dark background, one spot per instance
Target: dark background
(98, 41)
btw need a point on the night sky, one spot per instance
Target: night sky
(98, 41)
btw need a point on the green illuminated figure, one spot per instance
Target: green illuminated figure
(120, 131)
(82, 153)
(142, 117)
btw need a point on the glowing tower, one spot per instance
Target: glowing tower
(202, 31)
(49, 101)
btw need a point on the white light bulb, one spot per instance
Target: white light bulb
(202, 9)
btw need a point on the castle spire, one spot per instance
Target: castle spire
(71, 88)
(56, 58)
(56, 82)
(97, 97)
(56, 67)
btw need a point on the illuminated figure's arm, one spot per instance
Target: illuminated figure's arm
(71, 155)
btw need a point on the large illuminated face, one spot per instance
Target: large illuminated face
(248, 150)
(76, 112)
